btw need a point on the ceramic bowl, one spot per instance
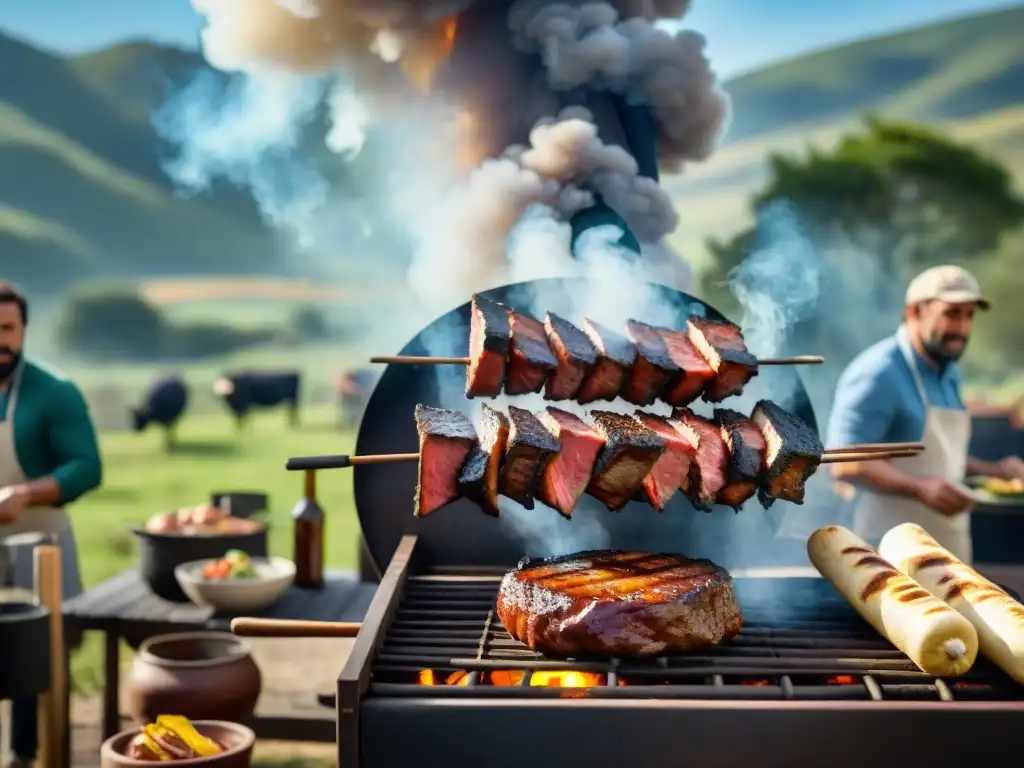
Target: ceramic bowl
(273, 577)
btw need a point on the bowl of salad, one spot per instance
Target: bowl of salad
(236, 583)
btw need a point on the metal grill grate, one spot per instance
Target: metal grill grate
(816, 649)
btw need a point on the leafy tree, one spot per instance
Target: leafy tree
(112, 322)
(901, 192)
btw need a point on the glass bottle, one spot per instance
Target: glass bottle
(308, 520)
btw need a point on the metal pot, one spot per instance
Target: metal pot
(161, 553)
(24, 650)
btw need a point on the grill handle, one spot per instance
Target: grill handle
(289, 628)
(305, 463)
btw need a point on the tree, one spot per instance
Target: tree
(901, 192)
(112, 322)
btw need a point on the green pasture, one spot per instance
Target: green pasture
(141, 478)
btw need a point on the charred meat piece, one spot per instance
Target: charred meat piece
(697, 373)
(793, 453)
(576, 357)
(615, 603)
(615, 357)
(692, 479)
(723, 347)
(630, 451)
(530, 447)
(654, 369)
(530, 360)
(446, 440)
(707, 474)
(478, 480)
(746, 446)
(671, 471)
(490, 334)
(567, 475)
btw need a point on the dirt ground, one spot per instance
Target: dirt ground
(294, 672)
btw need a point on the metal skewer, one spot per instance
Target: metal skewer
(341, 461)
(426, 360)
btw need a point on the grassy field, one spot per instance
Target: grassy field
(140, 479)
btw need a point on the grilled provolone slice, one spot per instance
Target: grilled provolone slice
(998, 618)
(936, 638)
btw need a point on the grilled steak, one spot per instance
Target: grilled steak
(478, 480)
(530, 447)
(670, 472)
(489, 337)
(567, 475)
(575, 354)
(615, 603)
(630, 451)
(531, 360)
(707, 473)
(723, 347)
(793, 453)
(615, 357)
(446, 440)
(746, 447)
(697, 373)
(654, 369)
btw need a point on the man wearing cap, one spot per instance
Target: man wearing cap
(906, 388)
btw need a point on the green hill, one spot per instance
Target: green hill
(82, 193)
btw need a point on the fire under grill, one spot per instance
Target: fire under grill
(434, 678)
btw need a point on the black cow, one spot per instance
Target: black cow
(164, 403)
(246, 390)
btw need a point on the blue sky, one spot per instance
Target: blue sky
(742, 34)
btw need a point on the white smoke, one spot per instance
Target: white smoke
(508, 221)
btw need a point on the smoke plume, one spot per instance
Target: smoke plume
(492, 123)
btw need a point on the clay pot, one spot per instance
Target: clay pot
(199, 675)
(237, 739)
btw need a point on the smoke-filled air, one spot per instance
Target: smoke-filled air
(504, 140)
(492, 115)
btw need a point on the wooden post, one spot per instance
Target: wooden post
(52, 712)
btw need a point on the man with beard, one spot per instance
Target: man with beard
(48, 458)
(906, 388)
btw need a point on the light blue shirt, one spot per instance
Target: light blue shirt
(877, 401)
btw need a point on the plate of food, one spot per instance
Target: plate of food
(236, 582)
(996, 490)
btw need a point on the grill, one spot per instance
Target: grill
(806, 676)
(806, 683)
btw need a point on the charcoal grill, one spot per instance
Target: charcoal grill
(806, 683)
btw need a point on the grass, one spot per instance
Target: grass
(140, 479)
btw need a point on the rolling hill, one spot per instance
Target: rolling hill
(82, 194)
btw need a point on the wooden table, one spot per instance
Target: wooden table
(124, 608)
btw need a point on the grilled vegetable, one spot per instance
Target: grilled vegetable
(937, 639)
(998, 618)
(171, 738)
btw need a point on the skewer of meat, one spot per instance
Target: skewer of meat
(557, 457)
(510, 349)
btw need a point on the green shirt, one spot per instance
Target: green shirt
(53, 433)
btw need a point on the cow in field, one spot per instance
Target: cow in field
(163, 403)
(245, 390)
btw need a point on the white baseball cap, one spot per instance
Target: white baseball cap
(946, 283)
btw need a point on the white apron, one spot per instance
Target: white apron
(47, 520)
(947, 436)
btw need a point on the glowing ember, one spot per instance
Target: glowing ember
(756, 683)
(841, 680)
(513, 677)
